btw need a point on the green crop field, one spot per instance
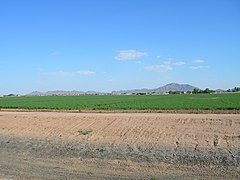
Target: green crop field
(125, 102)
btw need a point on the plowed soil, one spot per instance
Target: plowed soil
(57, 145)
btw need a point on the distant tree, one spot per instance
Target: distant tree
(236, 89)
(207, 90)
(141, 93)
(196, 91)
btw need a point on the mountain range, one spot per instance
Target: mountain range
(163, 89)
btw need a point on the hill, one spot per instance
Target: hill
(163, 89)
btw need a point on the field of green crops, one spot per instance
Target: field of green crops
(125, 102)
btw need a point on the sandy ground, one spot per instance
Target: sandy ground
(54, 145)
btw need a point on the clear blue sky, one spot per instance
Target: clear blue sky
(107, 45)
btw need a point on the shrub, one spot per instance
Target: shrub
(85, 131)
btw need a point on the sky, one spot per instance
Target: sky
(106, 45)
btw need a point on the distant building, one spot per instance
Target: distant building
(9, 95)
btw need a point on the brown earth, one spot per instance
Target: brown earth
(54, 145)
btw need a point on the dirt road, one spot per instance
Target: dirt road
(48, 145)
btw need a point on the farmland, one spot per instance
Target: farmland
(126, 102)
(115, 145)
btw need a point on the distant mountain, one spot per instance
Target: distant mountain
(60, 92)
(175, 87)
(163, 89)
(35, 93)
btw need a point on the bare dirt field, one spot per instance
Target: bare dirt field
(58, 145)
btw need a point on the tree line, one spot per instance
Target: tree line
(236, 89)
(207, 90)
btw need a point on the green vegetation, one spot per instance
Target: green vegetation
(126, 102)
(206, 91)
(85, 131)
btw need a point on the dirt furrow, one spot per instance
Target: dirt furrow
(122, 145)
